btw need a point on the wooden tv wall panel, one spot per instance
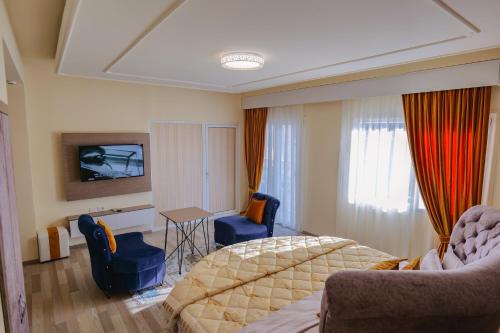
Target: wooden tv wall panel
(77, 190)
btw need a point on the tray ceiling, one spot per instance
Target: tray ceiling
(179, 43)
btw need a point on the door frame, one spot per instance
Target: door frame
(205, 125)
(206, 176)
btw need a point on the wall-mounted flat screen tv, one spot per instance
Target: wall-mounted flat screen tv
(111, 162)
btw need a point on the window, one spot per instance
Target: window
(380, 168)
(378, 202)
(282, 155)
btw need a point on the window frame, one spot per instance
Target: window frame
(414, 195)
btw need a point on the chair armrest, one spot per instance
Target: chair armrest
(471, 291)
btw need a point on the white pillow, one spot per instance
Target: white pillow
(451, 261)
(431, 262)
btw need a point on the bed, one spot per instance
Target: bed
(245, 282)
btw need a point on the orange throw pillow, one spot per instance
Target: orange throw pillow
(109, 234)
(413, 265)
(387, 265)
(255, 210)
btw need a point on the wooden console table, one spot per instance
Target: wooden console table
(120, 218)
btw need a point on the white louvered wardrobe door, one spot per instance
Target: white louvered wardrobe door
(221, 169)
(176, 166)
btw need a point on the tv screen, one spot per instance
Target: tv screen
(111, 162)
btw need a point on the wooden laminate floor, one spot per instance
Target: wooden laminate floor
(62, 296)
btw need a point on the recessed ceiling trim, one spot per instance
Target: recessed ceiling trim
(351, 61)
(70, 14)
(137, 32)
(456, 15)
(119, 79)
(169, 81)
(162, 17)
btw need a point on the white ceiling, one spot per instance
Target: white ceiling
(179, 42)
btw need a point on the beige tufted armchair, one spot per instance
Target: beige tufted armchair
(465, 299)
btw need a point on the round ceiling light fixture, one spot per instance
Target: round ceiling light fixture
(242, 61)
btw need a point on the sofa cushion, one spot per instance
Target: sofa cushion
(476, 234)
(451, 261)
(431, 262)
(133, 255)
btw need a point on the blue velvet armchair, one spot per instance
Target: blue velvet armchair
(238, 228)
(134, 266)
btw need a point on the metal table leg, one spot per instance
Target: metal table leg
(179, 249)
(206, 235)
(193, 237)
(166, 236)
(187, 235)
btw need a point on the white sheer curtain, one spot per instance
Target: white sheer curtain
(281, 176)
(378, 203)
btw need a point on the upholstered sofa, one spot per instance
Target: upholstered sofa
(465, 299)
(238, 228)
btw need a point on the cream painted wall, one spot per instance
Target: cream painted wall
(320, 160)
(22, 167)
(57, 104)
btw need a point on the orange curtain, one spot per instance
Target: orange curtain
(255, 140)
(447, 133)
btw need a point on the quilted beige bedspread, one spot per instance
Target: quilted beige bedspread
(239, 284)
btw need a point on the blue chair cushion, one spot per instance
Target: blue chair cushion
(237, 228)
(133, 255)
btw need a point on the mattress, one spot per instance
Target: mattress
(240, 284)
